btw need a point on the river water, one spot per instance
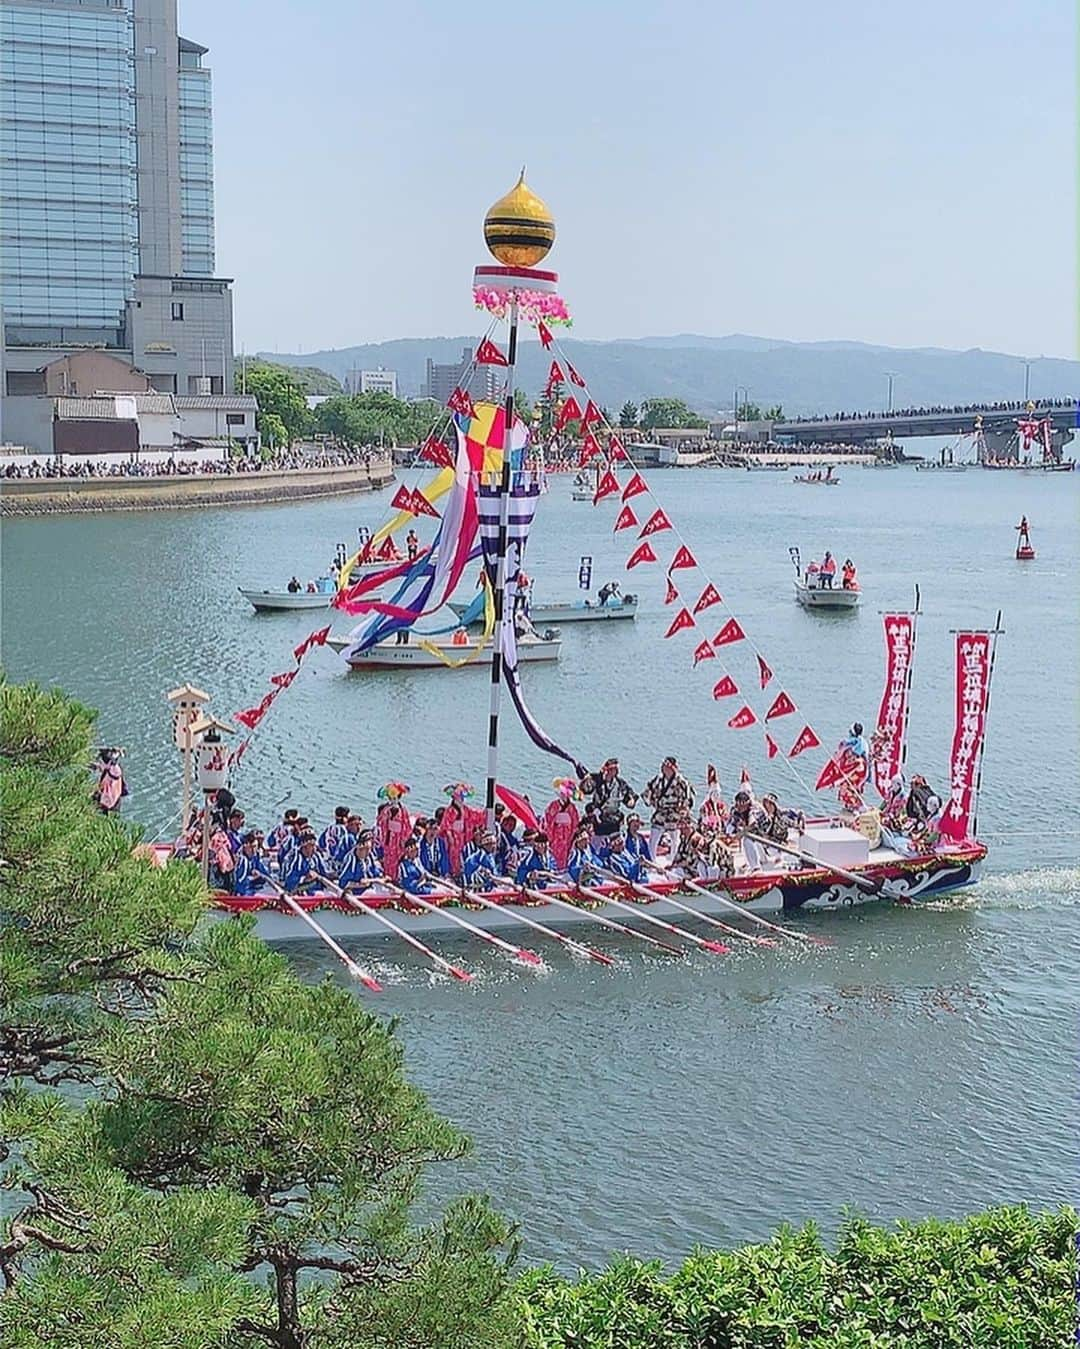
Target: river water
(925, 1063)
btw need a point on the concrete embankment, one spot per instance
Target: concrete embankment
(58, 496)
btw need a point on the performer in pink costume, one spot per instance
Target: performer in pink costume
(393, 826)
(458, 822)
(561, 820)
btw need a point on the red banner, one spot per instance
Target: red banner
(708, 597)
(615, 448)
(972, 696)
(642, 553)
(590, 448)
(730, 632)
(607, 485)
(772, 749)
(654, 524)
(743, 718)
(591, 413)
(402, 499)
(703, 651)
(459, 401)
(555, 377)
(569, 412)
(420, 505)
(574, 376)
(807, 740)
(725, 688)
(487, 353)
(683, 619)
(888, 740)
(543, 332)
(626, 519)
(436, 452)
(683, 558)
(634, 487)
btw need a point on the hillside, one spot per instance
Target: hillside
(806, 377)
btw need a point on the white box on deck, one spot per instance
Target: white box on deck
(841, 847)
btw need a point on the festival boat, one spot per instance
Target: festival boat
(833, 861)
(819, 479)
(270, 601)
(580, 611)
(824, 597)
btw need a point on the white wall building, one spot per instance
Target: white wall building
(379, 381)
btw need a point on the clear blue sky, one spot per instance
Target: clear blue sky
(900, 173)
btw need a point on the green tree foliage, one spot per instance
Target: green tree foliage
(523, 406)
(281, 396)
(1003, 1277)
(272, 430)
(238, 1164)
(371, 418)
(748, 412)
(669, 412)
(310, 378)
(628, 415)
(775, 413)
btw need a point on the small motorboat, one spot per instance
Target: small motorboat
(812, 593)
(443, 653)
(271, 601)
(819, 479)
(575, 611)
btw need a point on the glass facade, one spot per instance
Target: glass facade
(69, 227)
(196, 168)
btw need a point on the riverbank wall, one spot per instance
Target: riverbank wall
(63, 496)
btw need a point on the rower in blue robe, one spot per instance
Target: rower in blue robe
(282, 831)
(361, 867)
(235, 832)
(411, 876)
(621, 862)
(354, 827)
(251, 872)
(434, 855)
(332, 837)
(305, 866)
(637, 845)
(481, 867)
(537, 867)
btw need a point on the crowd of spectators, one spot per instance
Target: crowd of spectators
(1010, 405)
(336, 456)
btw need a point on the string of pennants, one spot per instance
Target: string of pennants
(252, 716)
(692, 614)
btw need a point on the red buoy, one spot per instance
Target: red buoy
(1024, 550)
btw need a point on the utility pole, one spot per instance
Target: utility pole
(1027, 380)
(891, 374)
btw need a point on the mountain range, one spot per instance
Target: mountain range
(805, 377)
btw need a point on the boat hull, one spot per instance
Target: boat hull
(272, 601)
(766, 893)
(837, 598)
(413, 656)
(543, 614)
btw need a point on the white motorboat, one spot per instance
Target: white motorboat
(826, 597)
(442, 653)
(576, 611)
(267, 601)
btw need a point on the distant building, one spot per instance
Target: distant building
(108, 210)
(441, 380)
(379, 381)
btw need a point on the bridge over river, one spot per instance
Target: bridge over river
(998, 424)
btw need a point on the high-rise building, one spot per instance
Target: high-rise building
(106, 190)
(440, 381)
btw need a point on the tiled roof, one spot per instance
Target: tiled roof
(217, 402)
(103, 405)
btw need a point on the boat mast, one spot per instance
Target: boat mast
(500, 569)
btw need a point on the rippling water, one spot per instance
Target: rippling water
(924, 1063)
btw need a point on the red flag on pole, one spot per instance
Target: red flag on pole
(615, 448)
(781, 706)
(517, 805)
(569, 412)
(591, 413)
(807, 740)
(743, 718)
(487, 353)
(725, 688)
(672, 594)
(436, 452)
(764, 671)
(575, 378)
(703, 651)
(772, 749)
(974, 661)
(402, 499)
(607, 486)
(634, 487)
(555, 376)
(683, 619)
(626, 519)
(709, 596)
(459, 401)
(654, 524)
(642, 553)
(683, 558)
(422, 506)
(590, 447)
(543, 332)
(730, 632)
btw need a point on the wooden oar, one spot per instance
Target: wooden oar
(717, 948)
(407, 937)
(866, 883)
(518, 952)
(646, 892)
(354, 969)
(753, 917)
(611, 923)
(578, 948)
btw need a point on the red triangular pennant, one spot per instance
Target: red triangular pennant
(830, 775)
(615, 448)
(543, 332)
(634, 487)
(703, 651)
(683, 619)
(607, 486)
(743, 718)
(422, 506)
(402, 499)
(672, 594)
(487, 353)
(282, 681)
(626, 519)
(683, 558)
(555, 378)
(772, 749)
(709, 596)
(591, 413)
(459, 401)
(590, 447)
(569, 412)
(642, 553)
(436, 452)
(807, 740)
(575, 378)
(763, 671)
(654, 524)
(781, 706)
(725, 687)
(730, 632)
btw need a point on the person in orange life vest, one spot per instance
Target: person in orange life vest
(828, 571)
(521, 592)
(562, 819)
(850, 581)
(460, 637)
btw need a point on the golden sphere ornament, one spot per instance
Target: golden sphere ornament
(519, 229)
